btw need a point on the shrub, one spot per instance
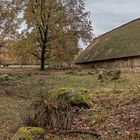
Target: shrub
(109, 74)
(56, 115)
(56, 111)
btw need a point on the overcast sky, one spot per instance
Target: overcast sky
(109, 14)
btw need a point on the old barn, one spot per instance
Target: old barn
(117, 49)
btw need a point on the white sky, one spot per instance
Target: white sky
(109, 14)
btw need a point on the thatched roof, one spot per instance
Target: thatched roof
(121, 42)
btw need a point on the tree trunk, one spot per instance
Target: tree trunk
(42, 66)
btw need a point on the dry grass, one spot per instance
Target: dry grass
(116, 103)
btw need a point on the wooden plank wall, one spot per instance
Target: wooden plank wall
(125, 64)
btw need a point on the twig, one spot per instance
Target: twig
(82, 132)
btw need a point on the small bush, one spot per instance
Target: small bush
(4, 79)
(111, 74)
(116, 75)
(56, 111)
(52, 116)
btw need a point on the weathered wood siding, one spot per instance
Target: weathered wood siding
(122, 64)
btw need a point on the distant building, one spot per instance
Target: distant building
(117, 49)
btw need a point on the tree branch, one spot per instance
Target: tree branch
(36, 55)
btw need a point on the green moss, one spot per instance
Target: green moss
(56, 92)
(33, 130)
(77, 97)
(82, 98)
(28, 133)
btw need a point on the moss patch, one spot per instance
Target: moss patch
(77, 97)
(29, 133)
(55, 93)
(82, 99)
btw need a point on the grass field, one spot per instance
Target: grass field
(115, 113)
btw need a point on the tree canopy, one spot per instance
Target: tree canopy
(9, 20)
(52, 28)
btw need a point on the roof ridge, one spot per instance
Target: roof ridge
(118, 28)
